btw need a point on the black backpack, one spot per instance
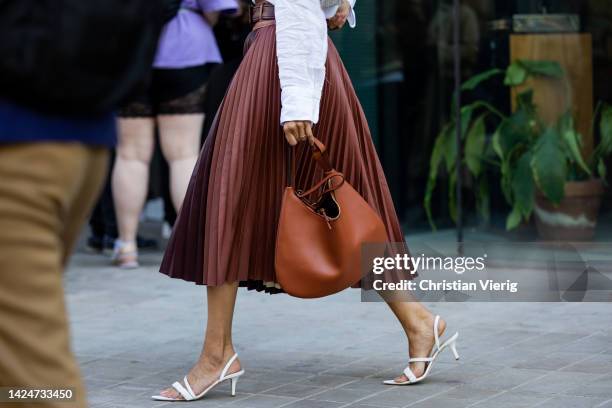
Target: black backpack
(76, 56)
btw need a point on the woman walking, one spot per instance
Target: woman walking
(174, 103)
(291, 77)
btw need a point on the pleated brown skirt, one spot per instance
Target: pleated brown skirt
(226, 229)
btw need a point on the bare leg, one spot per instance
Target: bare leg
(130, 178)
(417, 323)
(218, 347)
(180, 143)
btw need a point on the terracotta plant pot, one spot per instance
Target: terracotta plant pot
(575, 218)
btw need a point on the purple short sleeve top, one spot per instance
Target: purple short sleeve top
(188, 40)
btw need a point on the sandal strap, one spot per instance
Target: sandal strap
(227, 366)
(181, 390)
(188, 386)
(420, 360)
(408, 373)
(436, 332)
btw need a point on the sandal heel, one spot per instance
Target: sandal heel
(234, 383)
(453, 347)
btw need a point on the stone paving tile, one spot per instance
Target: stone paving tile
(438, 402)
(598, 364)
(295, 390)
(309, 403)
(366, 384)
(400, 396)
(593, 344)
(506, 378)
(342, 395)
(512, 400)
(553, 361)
(261, 401)
(553, 341)
(469, 393)
(256, 386)
(357, 405)
(93, 383)
(562, 383)
(327, 380)
(506, 356)
(607, 404)
(99, 397)
(132, 391)
(468, 373)
(118, 404)
(158, 380)
(600, 387)
(117, 370)
(356, 370)
(571, 402)
(312, 366)
(280, 377)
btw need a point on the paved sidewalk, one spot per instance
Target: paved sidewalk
(138, 331)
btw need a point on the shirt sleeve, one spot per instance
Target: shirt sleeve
(352, 18)
(218, 5)
(301, 51)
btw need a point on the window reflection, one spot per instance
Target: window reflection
(406, 80)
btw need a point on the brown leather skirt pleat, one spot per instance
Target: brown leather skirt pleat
(226, 230)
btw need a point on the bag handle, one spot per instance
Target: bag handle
(319, 154)
(325, 182)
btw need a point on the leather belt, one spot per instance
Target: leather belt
(262, 11)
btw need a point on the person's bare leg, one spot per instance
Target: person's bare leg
(180, 143)
(218, 347)
(417, 323)
(130, 177)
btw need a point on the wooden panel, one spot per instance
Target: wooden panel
(574, 53)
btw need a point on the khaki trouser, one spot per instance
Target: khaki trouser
(46, 192)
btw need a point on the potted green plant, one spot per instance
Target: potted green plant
(541, 164)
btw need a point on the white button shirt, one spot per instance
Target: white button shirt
(301, 51)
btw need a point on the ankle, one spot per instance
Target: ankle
(125, 246)
(217, 357)
(421, 322)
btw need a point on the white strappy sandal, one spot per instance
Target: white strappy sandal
(435, 352)
(188, 394)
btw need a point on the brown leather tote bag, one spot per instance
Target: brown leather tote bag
(321, 231)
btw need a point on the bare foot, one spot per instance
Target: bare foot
(421, 341)
(204, 373)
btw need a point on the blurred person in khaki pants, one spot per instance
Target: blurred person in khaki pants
(47, 189)
(60, 82)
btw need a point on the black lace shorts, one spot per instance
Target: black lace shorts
(170, 92)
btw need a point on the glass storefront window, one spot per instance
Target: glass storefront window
(402, 60)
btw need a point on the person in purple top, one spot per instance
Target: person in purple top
(173, 102)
